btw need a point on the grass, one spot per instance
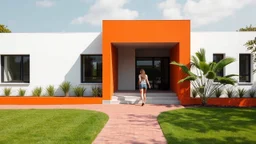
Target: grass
(50, 126)
(209, 126)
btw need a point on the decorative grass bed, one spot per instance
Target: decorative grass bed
(208, 125)
(50, 126)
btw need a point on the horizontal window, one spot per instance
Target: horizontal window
(15, 68)
(91, 68)
(245, 68)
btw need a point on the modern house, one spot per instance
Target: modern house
(112, 58)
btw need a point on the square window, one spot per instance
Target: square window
(15, 68)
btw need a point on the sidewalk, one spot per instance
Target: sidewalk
(129, 124)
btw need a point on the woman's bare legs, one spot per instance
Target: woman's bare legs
(141, 95)
(144, 95)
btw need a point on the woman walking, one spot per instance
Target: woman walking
(143, 81)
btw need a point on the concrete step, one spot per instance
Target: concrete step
(111, 102)
(153, 97)
(148, 94)
(148, 98)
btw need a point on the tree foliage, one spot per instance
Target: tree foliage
(4, 29)
(248, 28)
(204, 79)
(251, 46)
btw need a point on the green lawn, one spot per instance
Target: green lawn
(50, 126)
(209, 126)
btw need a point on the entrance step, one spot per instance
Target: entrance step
(152, 98)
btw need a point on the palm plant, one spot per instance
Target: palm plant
(79, 91)
(50, 90)
(21, 92)
(65, 87)
(230, 92)
(7, 91)
(251, 46)
(218, 92)
(37, 91)
(252, 93)
(206, 81)
(194, 93)
(241, 92)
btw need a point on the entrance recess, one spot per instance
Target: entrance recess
(157, 69)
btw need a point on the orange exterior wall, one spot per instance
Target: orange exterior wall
(174, 69)
(139, 31)
(48, 100)
(236, 102)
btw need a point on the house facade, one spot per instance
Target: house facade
(112, 58)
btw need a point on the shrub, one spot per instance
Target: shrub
(241, 92)
(79, 91)
(50, 90)
(65, 87)
(230, 92)
(96, 91)
(7, 91)
(194, 93)
(21, 92)
(252, 93)
(37, 91)
(218, 92)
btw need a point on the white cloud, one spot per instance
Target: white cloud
(202, 12)
(106, 9)
(171, 9)
(45, 3)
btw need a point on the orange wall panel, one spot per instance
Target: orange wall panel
(48, 100)
(139, 31)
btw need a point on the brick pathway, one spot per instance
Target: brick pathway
(128, 124)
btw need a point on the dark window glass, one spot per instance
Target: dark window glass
(91, 68)
(15, 68)
(217, 58)
(245, 68)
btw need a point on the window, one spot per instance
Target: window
(245, 68)
(91, 68)
(217, 58)
(15, 68)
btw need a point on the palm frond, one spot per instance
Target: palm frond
(201, 55)
(223, 63)
(184, 68)
(225, 80)
(188, 78)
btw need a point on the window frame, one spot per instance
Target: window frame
(21, 69)
(81, 68)
(224, 69)
(250, 67)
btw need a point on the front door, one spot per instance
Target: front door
(157, 69)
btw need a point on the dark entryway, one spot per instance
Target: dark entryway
(157, 69)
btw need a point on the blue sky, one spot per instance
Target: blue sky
(86, 15)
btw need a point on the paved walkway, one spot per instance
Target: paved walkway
(128, 124)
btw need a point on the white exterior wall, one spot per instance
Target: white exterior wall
(54, 57)
(228, 43)
(126, 68)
